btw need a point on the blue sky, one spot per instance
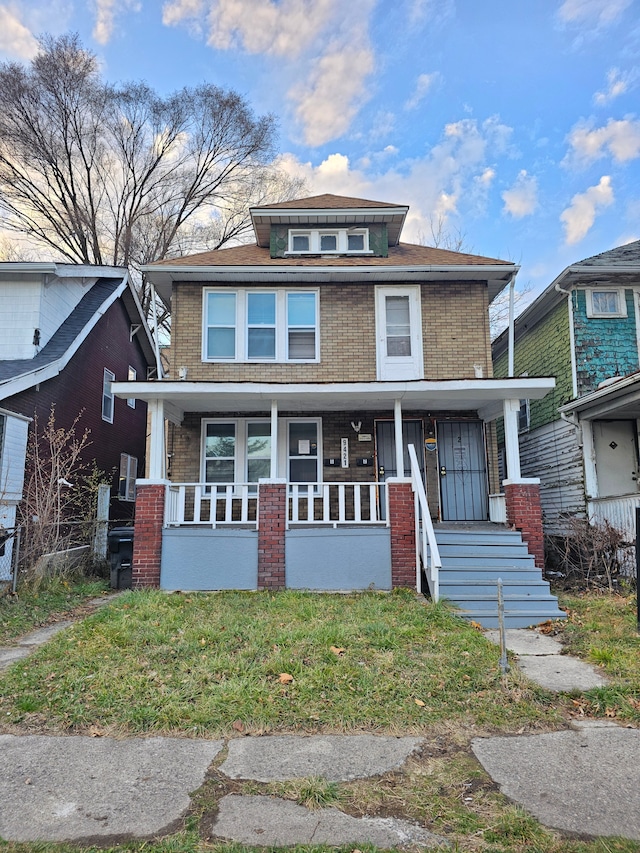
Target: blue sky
(516, 124)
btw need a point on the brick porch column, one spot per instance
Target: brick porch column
(525, 514)
(402, 521)
(272, 517)
(147, 534)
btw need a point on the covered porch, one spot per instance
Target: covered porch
(608, 422)
(253, 485)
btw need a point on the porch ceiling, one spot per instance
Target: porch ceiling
(482, 395)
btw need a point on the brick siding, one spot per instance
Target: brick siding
(147, 535)
(525, 514)
(402, 521)
(272, 510)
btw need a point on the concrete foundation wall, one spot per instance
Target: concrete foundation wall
(338, 559)
(207, 559)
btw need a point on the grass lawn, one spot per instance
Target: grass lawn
(245, 663)
(32, 607)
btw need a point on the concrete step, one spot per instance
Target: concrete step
(520, 619)
(473, 537)
(512, 603)
(489, 564)
(479, 550)
(451, 588)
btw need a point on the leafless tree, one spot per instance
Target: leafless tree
(103, 174)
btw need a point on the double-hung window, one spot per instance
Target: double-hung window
(107, 395)
(260, 325)
(237, 451)
(127, 479)
(606, 303)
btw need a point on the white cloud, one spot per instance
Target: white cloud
(597, 13)
(16, 40)
(423, 84)
(106, 12)
(327, 101)
(621, 139)
(451, 181)
(618, 82)
(522, 199)
(322, 45)
(581, 213)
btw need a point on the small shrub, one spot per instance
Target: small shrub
(589, 556)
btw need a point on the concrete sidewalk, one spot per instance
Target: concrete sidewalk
(101, 790)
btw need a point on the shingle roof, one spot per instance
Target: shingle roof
(621, 255)
(405, 254)
(325, 202)
(66, 335)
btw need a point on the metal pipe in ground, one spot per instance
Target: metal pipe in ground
(504, 666)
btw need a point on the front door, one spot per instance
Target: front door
(615, 445)
(463, 471)
(386, 450)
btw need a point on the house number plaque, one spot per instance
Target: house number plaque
(344, 452)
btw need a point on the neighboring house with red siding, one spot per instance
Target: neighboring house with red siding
(66, 333)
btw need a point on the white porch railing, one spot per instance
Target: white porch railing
(620, 512)
(329, 504)
(211, 503)
(334, 504)
(426, 545)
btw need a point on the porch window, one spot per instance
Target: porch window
(258, 325)
(236, 451)
(220, 452)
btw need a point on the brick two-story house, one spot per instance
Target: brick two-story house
(303, 367)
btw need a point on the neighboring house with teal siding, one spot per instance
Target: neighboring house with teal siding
(581, 440)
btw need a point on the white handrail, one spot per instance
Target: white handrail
(425, 534)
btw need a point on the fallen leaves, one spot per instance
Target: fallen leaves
(419, 703)
(285, 678)
(337, 651)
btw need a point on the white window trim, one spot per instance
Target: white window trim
(342, 243)
(108, 376)
(240, 465)
(622, 303)
(132, 374)
(129, 491)
(399, 367)
(241, 328)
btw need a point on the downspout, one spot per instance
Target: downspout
(156, 344)
(512, 300)
(572, 347)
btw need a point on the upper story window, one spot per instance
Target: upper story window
(399, 333)
(132, 374)
(341, 241)
(260, 325)
(606, 303)
(107, 395)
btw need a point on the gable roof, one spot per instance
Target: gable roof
(620, 266)
(16, 375)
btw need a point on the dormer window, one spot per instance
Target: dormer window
(343, 241)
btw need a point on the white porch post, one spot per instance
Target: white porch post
(397, 418)
(274, 439)
(157, 456)
(511, 410)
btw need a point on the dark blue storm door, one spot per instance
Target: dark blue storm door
(386, 452)
(462, 463)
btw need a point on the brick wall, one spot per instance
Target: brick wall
(147, 542)
(525, 514)
(455, 336)
(402, 521)
(272, 511)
